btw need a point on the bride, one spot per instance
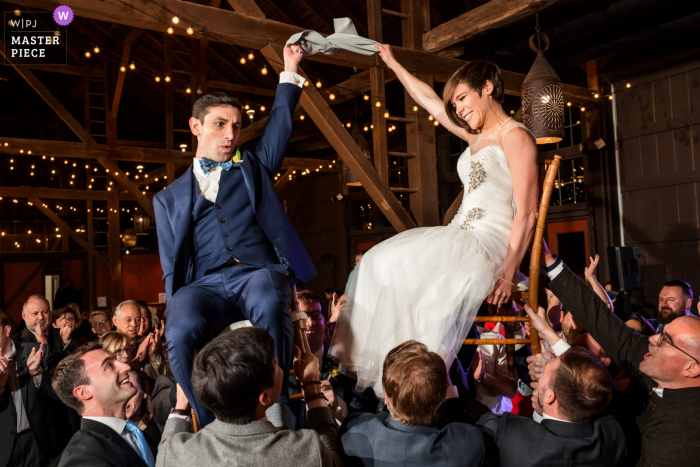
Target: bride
(427, 283)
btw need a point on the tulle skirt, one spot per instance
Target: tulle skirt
(425, 284)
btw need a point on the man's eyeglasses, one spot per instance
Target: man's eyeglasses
(128, 350)
(316, 315)
(100, 323)
(666, 339)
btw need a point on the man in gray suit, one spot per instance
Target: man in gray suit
(416, 385)
(237, 378)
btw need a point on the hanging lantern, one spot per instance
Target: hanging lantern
(543, 95)
(350, 178)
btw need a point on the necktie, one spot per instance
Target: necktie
(208, 164)
(146, 454)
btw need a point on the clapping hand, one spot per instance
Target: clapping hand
(35, 358)
(144, 348)
(66, 331)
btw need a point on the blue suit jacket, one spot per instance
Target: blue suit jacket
(377, 440)
(173, 206)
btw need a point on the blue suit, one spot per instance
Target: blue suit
(231, 260)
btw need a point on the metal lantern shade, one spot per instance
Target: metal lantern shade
(543, 102)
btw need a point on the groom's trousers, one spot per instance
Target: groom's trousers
(198, 312)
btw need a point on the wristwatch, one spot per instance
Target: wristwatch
(484, 377)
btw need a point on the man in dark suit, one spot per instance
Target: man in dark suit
(665, 366)
(416, 385)
(93, 382)
(227, 248)
(571, 393)
(25, 434)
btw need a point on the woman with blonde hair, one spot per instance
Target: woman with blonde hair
(118, 344)
(427, 284)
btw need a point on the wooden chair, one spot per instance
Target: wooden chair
(551, 166)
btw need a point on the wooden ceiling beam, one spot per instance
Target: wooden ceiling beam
(93, 151)
(240, 88)
(119, 87)
(69, 70)
(493, 14)
(256, 32)
(64, 228)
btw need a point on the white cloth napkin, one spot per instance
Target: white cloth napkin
(345, 37)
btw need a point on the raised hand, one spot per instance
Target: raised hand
(4, 370)
(143, 349)
(478, 366)
(501, 293)
(327, 390)
(35, 358)
(154, 345)
(590, 270)
(536, 365)
(66, 331)
(306, 366)
(387, 54)
(292, 57)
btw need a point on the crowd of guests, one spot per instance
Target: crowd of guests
(606, 390)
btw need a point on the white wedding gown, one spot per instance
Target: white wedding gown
(427, 283)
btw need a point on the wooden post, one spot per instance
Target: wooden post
(114, 242)
(167, 57)
(376, 77)
(90, 260)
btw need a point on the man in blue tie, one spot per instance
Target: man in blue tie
(93, 382)
(227, 248)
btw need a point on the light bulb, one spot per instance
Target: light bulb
(176, 20)
(157, 79)
(365, 97)
(262, 108)
(122, 68)
(583, 109)
(431, 118)
(188, 90)
(190, 31)
(436, 123)
(132, 66)
(377, 104)
(596, 95)
(568, 104)
(251, 56)
(199, 90)
(365, 128)
(610, 97)
(332, 97)
(170, 30)
(415, 108)
(348, 124)
(87, 54)
(246, 107)
(264, 70)
(318, 83)
(302, 117)
(97, 50)
(167, 79)
(629, 85)
(386, 114)
(372, 126)
(306, 83)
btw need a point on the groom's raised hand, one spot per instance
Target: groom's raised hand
(292, 57)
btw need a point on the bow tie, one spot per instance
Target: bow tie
(208, 164)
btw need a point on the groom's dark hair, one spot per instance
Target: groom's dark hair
(201, 106)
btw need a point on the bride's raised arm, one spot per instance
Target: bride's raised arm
(424, 95)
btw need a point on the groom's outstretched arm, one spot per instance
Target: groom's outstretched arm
(273, 142)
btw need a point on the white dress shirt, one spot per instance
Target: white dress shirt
(209, 183)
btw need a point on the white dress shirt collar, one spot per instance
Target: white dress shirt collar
(549, 417)
(117, 424)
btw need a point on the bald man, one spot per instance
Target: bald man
(666, 367)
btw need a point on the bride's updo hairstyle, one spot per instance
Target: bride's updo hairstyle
(474, 74)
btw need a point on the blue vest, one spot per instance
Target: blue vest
(228, 228)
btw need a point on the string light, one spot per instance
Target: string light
(348, 124)
(596, 95)
(386, 114)
(188, 90)
(306, 83)
(199, 90)
(176, 20)
(190, 31)
(431, 118)
(264, 70)
(87, 54)
(436, 123)
(251, 56)
(629, 85)
(377, 104)
(568, 104)
(246, 106)
(167, 79)
(242, 60)
(332, 97)
(170, 30)
(262, 108)
(583, 109)
(371, 126)
(610, 97)
(97, 50)
(318, 83)
(122, 68)
(301, 117)
(365, 97)
(415, 108)
(365, 128)
(132, 66)
(157, 79)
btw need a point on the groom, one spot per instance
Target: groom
(227, 248)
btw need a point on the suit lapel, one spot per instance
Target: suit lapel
(249, 178)
(115, 438)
